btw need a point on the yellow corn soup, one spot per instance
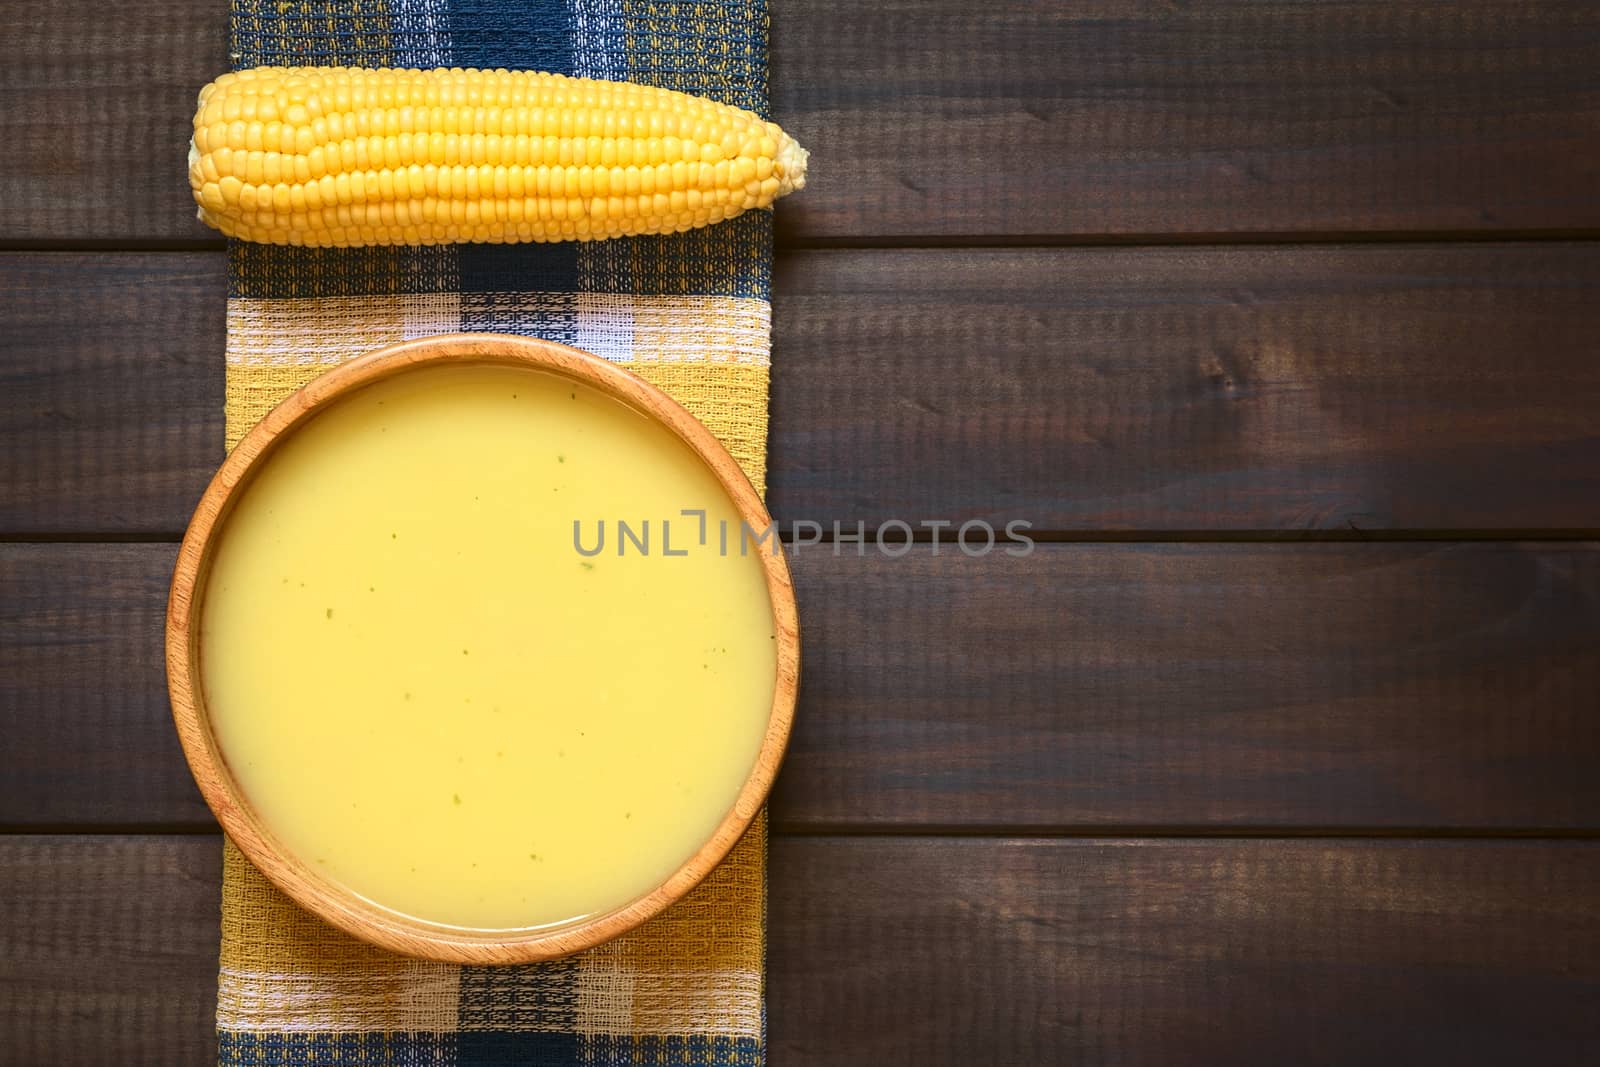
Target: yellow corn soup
(426, 690)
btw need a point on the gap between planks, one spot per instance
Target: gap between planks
(973, 242)
(1048, 537)
(975, 832)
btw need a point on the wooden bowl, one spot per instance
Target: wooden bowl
(334, 903)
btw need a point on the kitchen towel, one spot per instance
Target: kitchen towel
(688, 312)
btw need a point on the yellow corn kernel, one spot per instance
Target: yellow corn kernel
(325, 156)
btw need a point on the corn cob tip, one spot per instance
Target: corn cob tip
(194, 183)
(791, 165)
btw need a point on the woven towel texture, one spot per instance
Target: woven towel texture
(689, 313)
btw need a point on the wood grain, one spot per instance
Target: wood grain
(1134, 952)
(108, 950)
(1288, 389)
(958, 951)
(1207, 687)
(83, 691)
(1204, 686)
(1343, 388)
(99, 103)
(112, 375)
(1123, 117)
(946, 119)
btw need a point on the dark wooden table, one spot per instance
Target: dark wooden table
(1279, 320)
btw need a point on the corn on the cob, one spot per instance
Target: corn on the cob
(339, 156)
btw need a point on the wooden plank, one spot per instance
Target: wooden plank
(83, 689)
(944, 119)
(1136, 952)
(112, 375)
(108, 950)
(1201, 686)
(1124, 117)
(1108, 389)
(1172, 685)
(959, 951)
(99, 102)
(1304, 388)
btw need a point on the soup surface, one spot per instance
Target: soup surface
(433, 696)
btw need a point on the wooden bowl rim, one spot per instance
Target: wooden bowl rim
(340, 906)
